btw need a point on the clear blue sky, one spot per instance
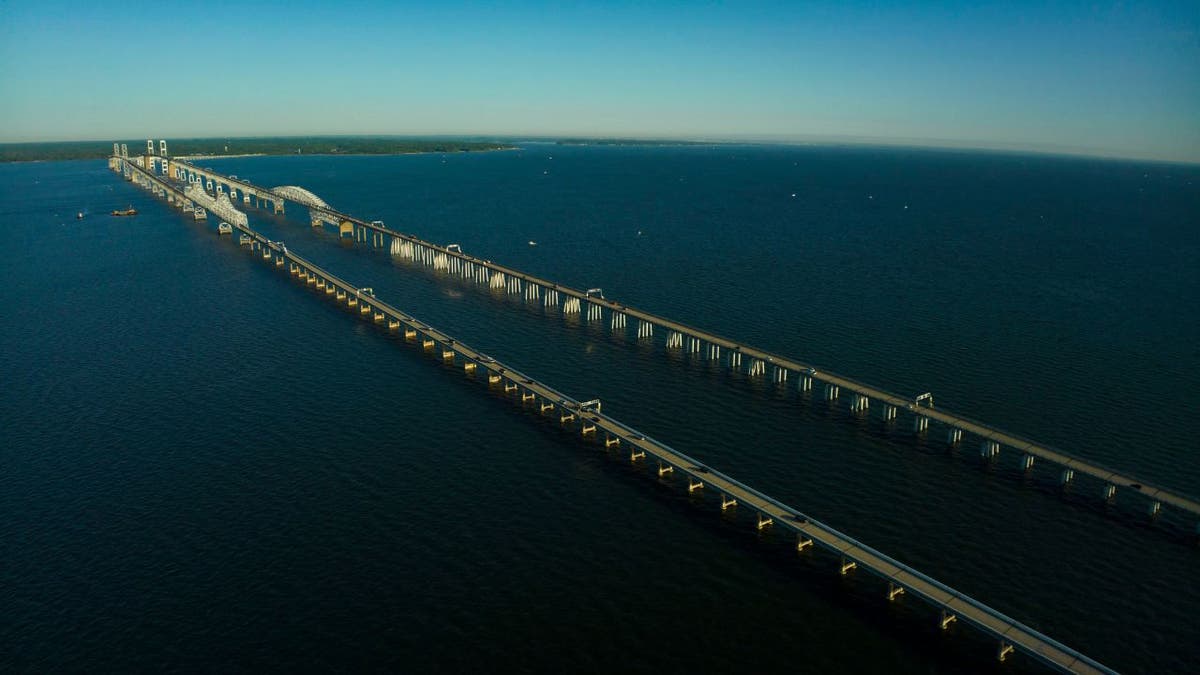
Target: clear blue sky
(1103, 78)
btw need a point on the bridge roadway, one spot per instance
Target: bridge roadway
(1008, 631)
(956, 421)
(240, 184)
(954, 605)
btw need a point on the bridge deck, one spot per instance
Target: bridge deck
(1083, 466)
(987, 619)
(964, 607)
(991, 621)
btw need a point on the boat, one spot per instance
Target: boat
(532, 242)
(127, 212)
(79, 216)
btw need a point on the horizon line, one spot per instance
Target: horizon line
(716, 139)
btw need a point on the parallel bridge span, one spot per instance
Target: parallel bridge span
(1011, 634)
(451, 259)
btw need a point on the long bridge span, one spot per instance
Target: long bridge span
(593, 306)
(587, 417)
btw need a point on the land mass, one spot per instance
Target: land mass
(306, 145)
(630, 141)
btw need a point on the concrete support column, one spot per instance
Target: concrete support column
(1068, 476)
(714, 352)
(920, 424)
(831, 392)
(1110, 492)
(674, 340)
(735, 360)
(954, 436)
(645, 330)
(1027, 462)
(989, 448)
(779, 375)
(805, 384)
(860, 403)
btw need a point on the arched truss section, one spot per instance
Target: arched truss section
(299, 195)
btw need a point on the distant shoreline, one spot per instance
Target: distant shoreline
(251, 147)
(244, 154)
(11, 153)
(343, 154)
(272, 154)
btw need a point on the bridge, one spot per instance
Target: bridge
(594, 307)
(669, 464)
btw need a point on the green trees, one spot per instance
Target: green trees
(310, 145)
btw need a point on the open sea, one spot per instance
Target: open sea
(204, 467)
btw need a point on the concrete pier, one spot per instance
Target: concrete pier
(645, 330)
(859, 403)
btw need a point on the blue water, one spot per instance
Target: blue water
(204, 467)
